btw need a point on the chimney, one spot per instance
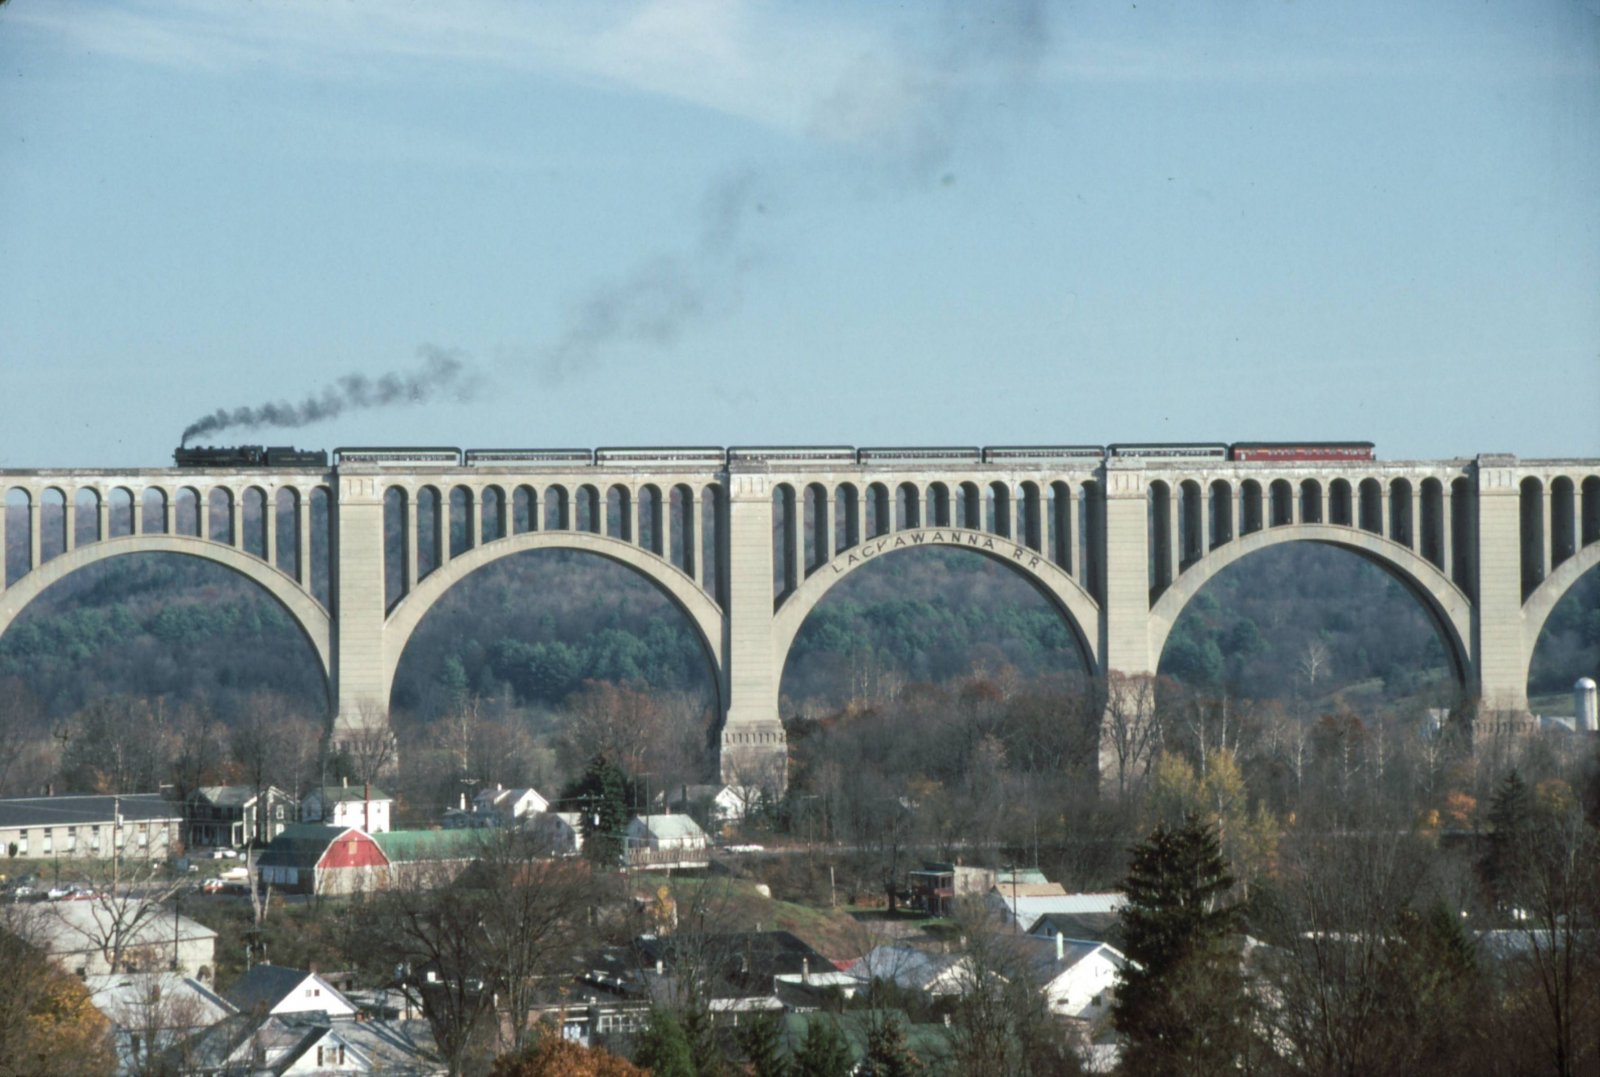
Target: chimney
(345, 781)
(1061, 947)
(805, 970)
(463, 802)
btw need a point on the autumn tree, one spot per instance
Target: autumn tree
(553, 1056)
(1217, 796)
(47, 1023)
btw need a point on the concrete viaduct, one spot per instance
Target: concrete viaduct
(745, 547)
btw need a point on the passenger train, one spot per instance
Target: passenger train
(748, 456)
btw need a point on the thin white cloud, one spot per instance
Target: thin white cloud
(762, 64)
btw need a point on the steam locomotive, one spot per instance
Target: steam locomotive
(249, 456)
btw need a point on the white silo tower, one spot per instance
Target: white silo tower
(1586, 705)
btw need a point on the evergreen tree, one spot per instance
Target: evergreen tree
(1511, 830)
(888, 1054)
(602, 794)
(824, 1052)
(1181, 1001)
(761, 1043)
(664, 1047)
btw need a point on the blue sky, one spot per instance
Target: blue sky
(724, 222)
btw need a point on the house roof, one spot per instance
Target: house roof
(1028, 910)
(86, 810)
(338, 794)
(1047, 966)
(301, 845)
(1022, 875)
(667, 827)
(1022, 890)
(1097, 926)
(233, 796)
(757, 955)
(907, 966)
(403, 846)
(400, 1047)
(131, 999)
(81, 926)
(264, 987)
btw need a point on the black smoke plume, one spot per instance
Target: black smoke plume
(443, 373)
(905, 114)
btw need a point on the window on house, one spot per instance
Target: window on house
(22, 843)
(49, 843)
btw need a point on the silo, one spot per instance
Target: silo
(1586, 705)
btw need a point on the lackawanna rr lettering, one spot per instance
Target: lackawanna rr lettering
(944, 537)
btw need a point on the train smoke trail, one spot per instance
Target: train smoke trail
(442, 373)
(901, 119)
(656, 300)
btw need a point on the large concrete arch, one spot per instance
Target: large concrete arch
(1080, 612)
(698, 606)
(1446, 605)
(1539, 605)
(306, 612)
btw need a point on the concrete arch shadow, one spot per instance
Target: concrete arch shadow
(1076, 607)
(1446, 605)
(703, 613)
(305, 611)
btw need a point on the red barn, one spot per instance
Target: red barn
(309, 858)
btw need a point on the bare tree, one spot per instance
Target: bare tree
(1130, 732)
(1313, 663)
(370, 750)
(477, 944)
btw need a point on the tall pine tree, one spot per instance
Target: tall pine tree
(1181, 1003)
(602, 793)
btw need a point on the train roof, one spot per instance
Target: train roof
(1304, 445)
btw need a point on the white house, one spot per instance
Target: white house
(362, 806)
(1078, 976)
(274, 989)
(508, 806)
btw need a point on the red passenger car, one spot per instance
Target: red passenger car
(1282, 452)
